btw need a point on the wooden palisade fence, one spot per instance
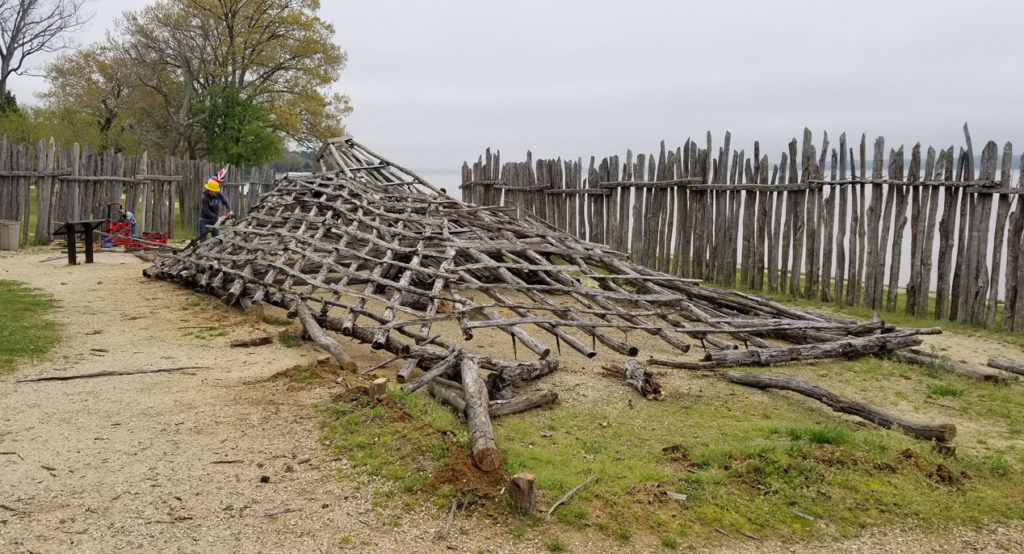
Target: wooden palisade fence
(826, 223)
(60, 184)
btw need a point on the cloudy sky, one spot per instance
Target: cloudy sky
(434, 83)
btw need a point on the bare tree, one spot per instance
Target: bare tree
(28, 27)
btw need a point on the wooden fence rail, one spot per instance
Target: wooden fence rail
(59, 184)
(818, 224)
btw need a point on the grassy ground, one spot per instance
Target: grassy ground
(772, 464)
(26, 331)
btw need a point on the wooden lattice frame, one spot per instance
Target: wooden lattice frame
(370, 250)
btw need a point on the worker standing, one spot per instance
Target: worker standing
(209, 205)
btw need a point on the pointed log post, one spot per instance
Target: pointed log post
(485, 451)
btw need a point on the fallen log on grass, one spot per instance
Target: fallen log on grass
(1007, 365)
(481, 434)
(919, 357)
(941, 432)
(634, 373)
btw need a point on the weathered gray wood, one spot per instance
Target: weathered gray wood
(481, 435)
(947, 225)
(1000, 230)
(840, 278)
(900, 223)
(919, 357)
(1013, 240)
(941, 432)
(842, 348)
(1007, 365)
(521, 492)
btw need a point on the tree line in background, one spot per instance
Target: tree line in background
(231, 81)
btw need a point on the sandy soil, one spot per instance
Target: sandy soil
(173, 462)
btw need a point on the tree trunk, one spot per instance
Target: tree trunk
(485, 451)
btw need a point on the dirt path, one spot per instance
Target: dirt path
(134, 463)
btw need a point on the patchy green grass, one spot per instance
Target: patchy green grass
(290, 339)
(396, 439)
(26, 331)
(942, 389)
(751, 460)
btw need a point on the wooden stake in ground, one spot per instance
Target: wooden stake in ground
(481, 434)
(638, 377)
(941, 432)
(520, 491)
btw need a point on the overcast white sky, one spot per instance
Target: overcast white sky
(434, 83)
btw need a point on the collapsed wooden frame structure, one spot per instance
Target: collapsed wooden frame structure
(369, 250)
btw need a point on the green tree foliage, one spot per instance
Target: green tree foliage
(176, 71)
(236, 130)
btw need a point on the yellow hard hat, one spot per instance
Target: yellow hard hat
(213, 185)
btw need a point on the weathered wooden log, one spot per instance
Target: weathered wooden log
(322, 339)
(481, 435)
(941, 432)
(442, 367)
(918, 357)
(682, 365)
(521, 492)
(634, 373)
(521, 403)
(1007, 365)
(860, 346)
(496, 408)
(252, 341)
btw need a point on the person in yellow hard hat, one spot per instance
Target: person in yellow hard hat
(209, 208)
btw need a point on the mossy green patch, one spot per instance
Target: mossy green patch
(26, 330)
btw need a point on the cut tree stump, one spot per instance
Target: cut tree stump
(485, 451)
(521, 492)
(252, 341)
(941, 432)
(379, 387)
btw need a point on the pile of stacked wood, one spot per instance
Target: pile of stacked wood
(368, 250)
